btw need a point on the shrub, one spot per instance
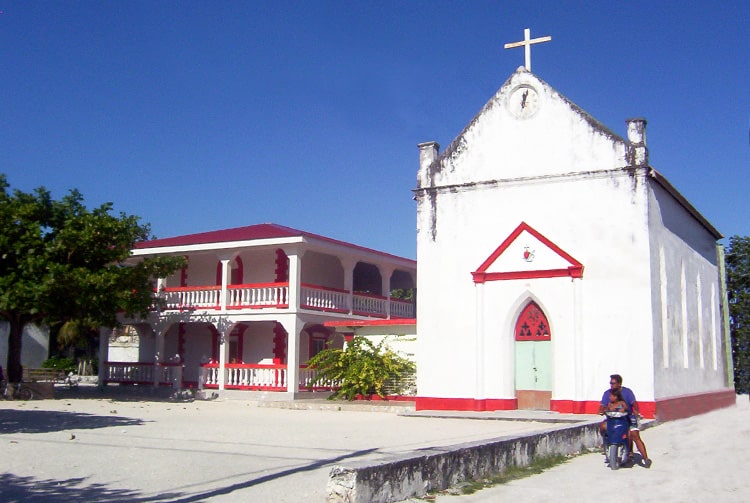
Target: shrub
(60, 363)
(363, 368)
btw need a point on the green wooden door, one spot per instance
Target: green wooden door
(533, 359)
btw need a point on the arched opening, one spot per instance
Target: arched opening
(533, 358)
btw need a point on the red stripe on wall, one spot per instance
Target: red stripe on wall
(679, 407)
(473, 404)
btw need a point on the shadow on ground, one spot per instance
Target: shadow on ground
(19, 489)
(44, 421)
(29, 489)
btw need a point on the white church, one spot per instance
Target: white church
(550, 254)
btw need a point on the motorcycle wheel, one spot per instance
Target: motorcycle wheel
(25, 394)
(612, 456)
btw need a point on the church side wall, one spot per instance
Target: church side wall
(688, 347)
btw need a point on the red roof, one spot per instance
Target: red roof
(248, 233)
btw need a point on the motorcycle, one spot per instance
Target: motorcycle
(616, 438)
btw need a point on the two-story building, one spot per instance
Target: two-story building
(250, 308)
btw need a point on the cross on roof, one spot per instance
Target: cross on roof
(526, 42)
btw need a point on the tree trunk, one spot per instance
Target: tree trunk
(15, 339)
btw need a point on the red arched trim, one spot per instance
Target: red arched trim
(282, 266)
(238, 273)
(279, 343)
(235, 274)
(532, 324)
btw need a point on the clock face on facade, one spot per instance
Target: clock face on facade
(523, 101)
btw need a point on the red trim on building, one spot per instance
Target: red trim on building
(481, 275)
(282, 266)
(279, 343)
(679, 407)
(473, 404)
(326, 288)
(647, 409)
(250, 233)
(371, 323)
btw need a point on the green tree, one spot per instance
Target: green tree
(362, 369)
(61, 262)
(738, 291)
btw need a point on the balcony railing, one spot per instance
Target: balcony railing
(169, 374)
(259, 377)
(276, 295)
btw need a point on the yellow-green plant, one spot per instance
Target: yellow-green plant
(361, 369)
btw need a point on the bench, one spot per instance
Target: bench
(44, 375)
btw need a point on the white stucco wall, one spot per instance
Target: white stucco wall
(688, 343)
(322, 269)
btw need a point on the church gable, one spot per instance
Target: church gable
(526, 254)
(526, 130)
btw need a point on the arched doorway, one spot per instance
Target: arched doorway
(533, 359)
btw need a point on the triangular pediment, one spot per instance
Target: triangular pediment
(527, 129)
(527, 254)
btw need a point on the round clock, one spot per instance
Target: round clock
(523, 101)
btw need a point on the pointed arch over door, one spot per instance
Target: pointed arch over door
(533, 358)
(532, 324)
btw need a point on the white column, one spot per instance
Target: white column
(293, 325)
(104, 335)
(159, 356)
(479, 353)
(348, 265)
(224, 282)
(385, 280)
(579, 344)
(295, 278)
(223, 329)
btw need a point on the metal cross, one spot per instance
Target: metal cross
(526, 42)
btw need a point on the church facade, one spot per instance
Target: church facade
(551, 255)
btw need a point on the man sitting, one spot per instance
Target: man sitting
(634, 435)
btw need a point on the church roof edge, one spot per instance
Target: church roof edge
(666, 185)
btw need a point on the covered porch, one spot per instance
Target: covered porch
(255, 355)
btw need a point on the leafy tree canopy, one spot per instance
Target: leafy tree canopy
(738, 291)
(60, 262)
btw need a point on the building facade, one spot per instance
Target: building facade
(551, 255)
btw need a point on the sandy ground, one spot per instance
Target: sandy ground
(115, 449)
(120, 449)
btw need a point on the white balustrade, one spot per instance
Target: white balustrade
(129, 372)
(324, 299)
(186, 298)
(307, 377)
(402, 309)
(271, 295)
(276, 295)
(370, 305)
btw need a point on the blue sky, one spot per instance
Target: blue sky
(203, 115)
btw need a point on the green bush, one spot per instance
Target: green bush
(362, 369)
(60, 363)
